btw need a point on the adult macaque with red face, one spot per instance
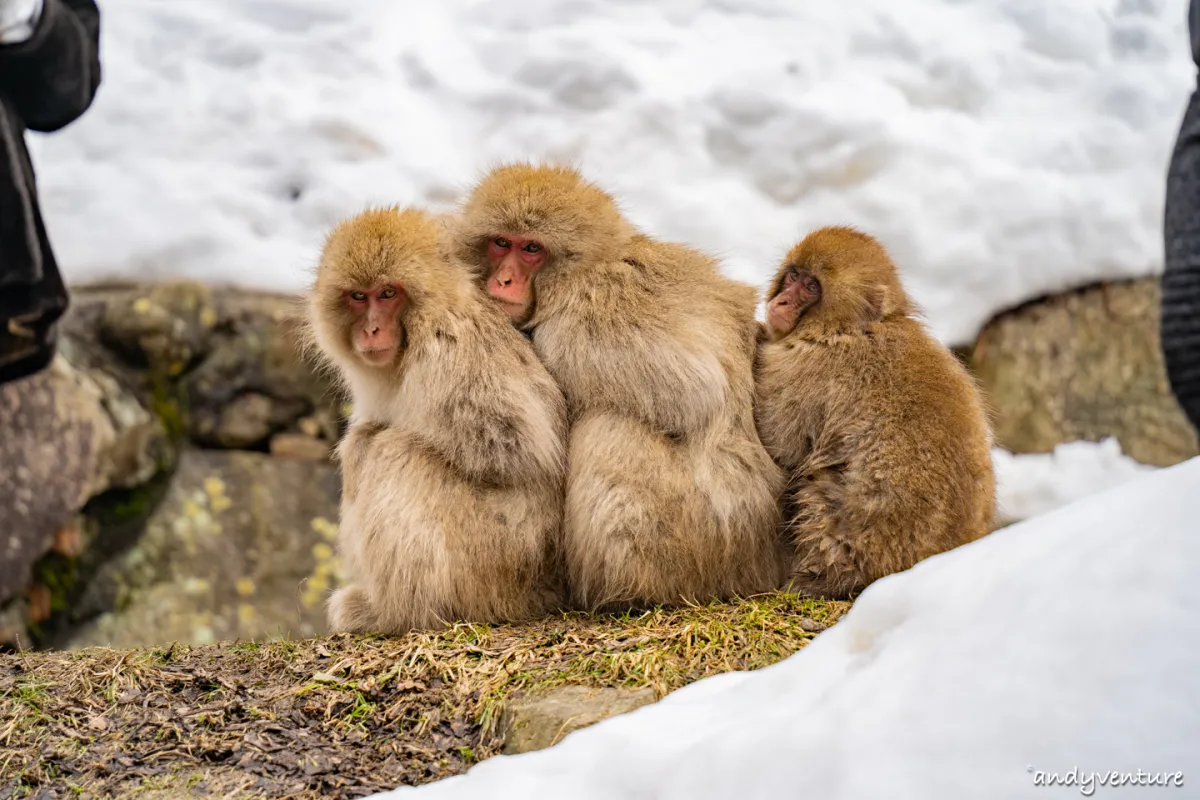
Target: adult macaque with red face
(514, 261)
(376, 327)
(670, 495)
(454, 462)
(880, 429)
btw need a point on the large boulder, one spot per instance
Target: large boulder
(223, 365)
(165, 327)
(242, 547)
(1085, 364)
(67, 434)
(87, 446)
(256, 381)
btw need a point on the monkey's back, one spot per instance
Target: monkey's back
(886, 441)
(671, 497)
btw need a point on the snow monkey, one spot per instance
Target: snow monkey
(671, 497)
(454, 462)
(881, 431)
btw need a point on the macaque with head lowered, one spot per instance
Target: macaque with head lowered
(882, 432)
(454, 462)
(671, 496)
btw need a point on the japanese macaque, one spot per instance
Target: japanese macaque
(883, 434)
(671, 497)
(454, 462)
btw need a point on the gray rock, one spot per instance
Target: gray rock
(1084, 365)
(222, 365)
(256, 381)
(299, 446)
(242, 547)
(247, 420)
(66, 435)
(12, 625)
(542, 719)
(165, 327)
(143, 368)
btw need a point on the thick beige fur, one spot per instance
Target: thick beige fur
(882, 432)
(454, 463)
(671, 497)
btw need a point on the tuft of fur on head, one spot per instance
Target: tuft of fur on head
(569, 215)
(380, 246)
(860, 284)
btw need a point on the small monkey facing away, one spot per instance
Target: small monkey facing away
(454, 462)
(671, 496)
(882, 432)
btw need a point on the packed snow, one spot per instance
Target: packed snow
(1001, 148)
(1060, 649)
(1030, 484)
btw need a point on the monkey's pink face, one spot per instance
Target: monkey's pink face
(798, 291)
(514, 261)
(375, 328)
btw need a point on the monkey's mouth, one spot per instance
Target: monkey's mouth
(781, 322)
(517, 312)
(377, 357)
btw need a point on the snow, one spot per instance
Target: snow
(1002, 148)
(1063, 643)
(1030, 484)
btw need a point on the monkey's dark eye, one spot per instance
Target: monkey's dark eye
(812, 285)
(358, 297)
(532, 247)
(790, 277)
(503, 243)
(387, 294)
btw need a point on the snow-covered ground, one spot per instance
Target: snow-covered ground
(1063, 646)
(1030, 484)
(1001, 148)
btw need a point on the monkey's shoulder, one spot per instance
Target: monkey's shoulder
(480, 338)
(648, 253)
(891, 366)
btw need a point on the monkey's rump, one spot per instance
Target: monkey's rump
(653, 520)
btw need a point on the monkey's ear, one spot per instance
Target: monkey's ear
(880, 302)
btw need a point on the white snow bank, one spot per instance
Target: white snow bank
(1001, 148)
(1030, 484)
(1067, 642)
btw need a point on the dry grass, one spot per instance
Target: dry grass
(344, 716)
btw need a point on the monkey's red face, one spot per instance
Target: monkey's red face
(375, 328)
(514, 261)
(798, 291)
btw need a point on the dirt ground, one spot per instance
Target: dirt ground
(344, 716)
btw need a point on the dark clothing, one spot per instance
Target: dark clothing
(46, 82)
(1181, 277)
